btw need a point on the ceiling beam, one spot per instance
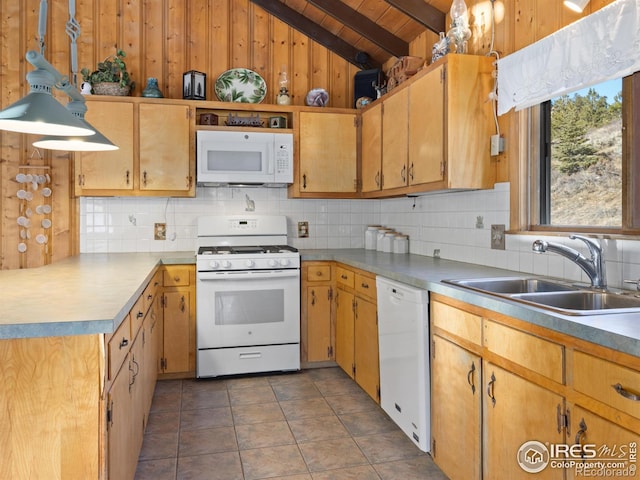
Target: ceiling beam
(364, 26)
(314, 31)
(421, 12)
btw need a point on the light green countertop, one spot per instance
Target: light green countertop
(92, 293)
(620, 332)
(84, 294)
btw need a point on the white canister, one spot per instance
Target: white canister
(387, 242)
(370, 235)
(379, 236)
(401, 244)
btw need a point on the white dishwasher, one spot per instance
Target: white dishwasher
(403, 335)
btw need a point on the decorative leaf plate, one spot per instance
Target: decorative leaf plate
(240, 85)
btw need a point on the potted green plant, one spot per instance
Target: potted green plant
(110, 77)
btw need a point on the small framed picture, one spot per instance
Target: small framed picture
(277, 122)
(194, 85)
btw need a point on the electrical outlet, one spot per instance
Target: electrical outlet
(160, 231)
(497, 237)
(303, 229)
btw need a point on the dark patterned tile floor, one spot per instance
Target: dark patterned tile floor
(311, 425)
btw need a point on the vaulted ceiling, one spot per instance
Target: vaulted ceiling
(364, 32)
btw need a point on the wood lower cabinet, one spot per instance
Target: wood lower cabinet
(537, 385)
(156, 156)
(317, 335)
(178, 346)
(327, 155)
(456, 375)
(516, 411)
(357, 328)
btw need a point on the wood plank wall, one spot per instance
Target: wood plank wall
(163, 39)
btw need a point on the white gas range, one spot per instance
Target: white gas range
(248, 296)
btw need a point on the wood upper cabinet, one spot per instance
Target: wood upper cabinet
(165, 141)
(327, 154)
(435, 130)
(426, 129)
(115, 121)
(156, 156)
(371, 148)
(395, 140)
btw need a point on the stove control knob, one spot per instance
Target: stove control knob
(284, 262)
(226, 264)
(272, 262)
(214, 264)
(250, 263)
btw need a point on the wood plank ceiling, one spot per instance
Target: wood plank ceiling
(364, 32)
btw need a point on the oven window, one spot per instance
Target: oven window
(249, 307)
(229, 161)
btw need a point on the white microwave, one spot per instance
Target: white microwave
(244, 158)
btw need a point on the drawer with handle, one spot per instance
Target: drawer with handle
(118, 347)
(318, 273)
(345, 277)
(608, 382)
(365, 285)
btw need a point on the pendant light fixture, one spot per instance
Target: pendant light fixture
(576, 5)
(77, 106)
(38, 112)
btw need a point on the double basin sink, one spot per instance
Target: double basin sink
(555, 295)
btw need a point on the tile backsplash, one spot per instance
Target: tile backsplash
(458, 224)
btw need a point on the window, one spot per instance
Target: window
(585, 178)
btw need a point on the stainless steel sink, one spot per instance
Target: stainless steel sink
(554, 295)
(583, 302)
(512, 285)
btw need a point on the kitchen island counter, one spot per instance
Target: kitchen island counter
(616, 331)
(84, 294)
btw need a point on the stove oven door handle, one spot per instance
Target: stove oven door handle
(249, 274)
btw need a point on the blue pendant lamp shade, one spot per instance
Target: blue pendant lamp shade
(39, 113)
(91, 143)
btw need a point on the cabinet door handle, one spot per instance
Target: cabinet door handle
(182, 304)
(127, 177)
(144, 178)
(403, 173)
(582, 433)
(490, 387)
(411, 172)
(343, 276)
(123, 343)
(176, 279)
(626, 393)
(364, 285)
(140, 314)
(313, 297)
(149, 297)
(470, 377)
(304, 180)
(378, 179)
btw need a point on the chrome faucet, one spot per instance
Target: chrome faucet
(594, 267)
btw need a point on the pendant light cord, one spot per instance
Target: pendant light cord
(42, 25)
(73, 31)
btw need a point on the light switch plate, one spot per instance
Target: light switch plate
(497, 237)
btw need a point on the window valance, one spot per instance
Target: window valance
(599, 47)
